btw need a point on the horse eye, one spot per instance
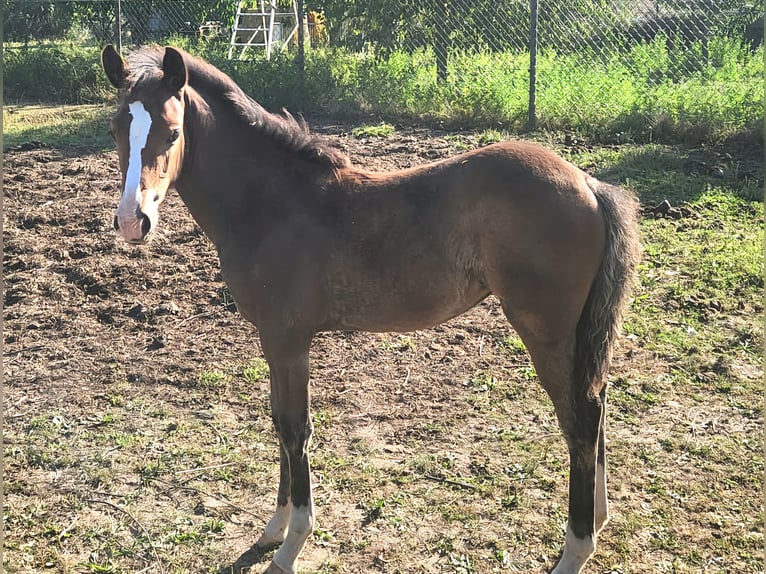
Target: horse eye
(173, 136)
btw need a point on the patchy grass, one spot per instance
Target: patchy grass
(61, 125)
(381, 130)
(434, 451)
(256, 371)
(488, 137)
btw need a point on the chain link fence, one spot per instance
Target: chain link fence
(565, 59)
(580, 53)
(37, 23)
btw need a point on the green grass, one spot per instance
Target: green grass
(381, 130)
(211, 379)
(701, 273)
(54, 73)
(58, 125)
(640, 95)
(397, 344)
(256, 371)
(647, 93)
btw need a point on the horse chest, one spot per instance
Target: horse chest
(274, 292)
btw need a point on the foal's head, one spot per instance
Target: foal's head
(148, 131)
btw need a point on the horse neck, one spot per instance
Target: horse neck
(228, 175)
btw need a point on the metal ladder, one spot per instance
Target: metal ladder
(262, 34)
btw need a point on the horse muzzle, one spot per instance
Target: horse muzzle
(136, 228)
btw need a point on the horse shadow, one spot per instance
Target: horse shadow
(253, 556)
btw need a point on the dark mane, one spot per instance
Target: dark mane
(145, 64)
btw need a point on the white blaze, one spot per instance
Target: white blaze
(130, 202)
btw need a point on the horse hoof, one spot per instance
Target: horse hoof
(267, 543)
(276, 569)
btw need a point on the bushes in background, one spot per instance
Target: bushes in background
(49, 73)
(637, 95)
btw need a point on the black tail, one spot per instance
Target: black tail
(601, 318)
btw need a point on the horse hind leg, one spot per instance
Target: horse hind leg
(550, 336)
(293, 522)
(602, 503)
(586, 491)
(579, 417)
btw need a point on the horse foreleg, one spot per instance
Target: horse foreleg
(276, 529)
(289, 371)
(301, 513)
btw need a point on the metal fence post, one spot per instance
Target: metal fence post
(532, 118)
(118, 25)
(301, 56)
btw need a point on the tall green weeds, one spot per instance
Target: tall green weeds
(649, 92)
(60, 74)
(654, 93)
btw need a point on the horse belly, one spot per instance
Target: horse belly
(382, 306)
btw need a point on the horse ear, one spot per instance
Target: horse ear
(175, 74)
(114, 66)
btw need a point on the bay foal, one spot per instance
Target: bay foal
(308, 243)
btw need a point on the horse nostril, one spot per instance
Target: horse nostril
(146, 225)
(116, 224)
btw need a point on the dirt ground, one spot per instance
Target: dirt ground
(78, 300)
(123, 373)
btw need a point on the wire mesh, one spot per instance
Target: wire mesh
(93, 22)
(590, 53)
(594, 58)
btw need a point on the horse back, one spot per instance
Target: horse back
(432, 240)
